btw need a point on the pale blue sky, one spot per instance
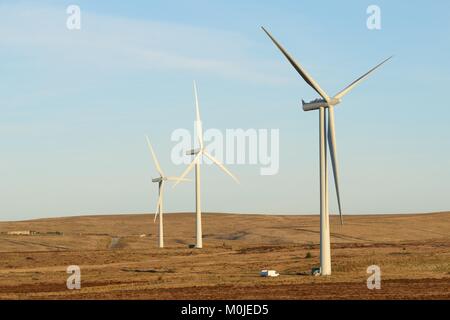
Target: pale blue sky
(75, 106)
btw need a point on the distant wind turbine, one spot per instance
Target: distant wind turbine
(159, 205)
(321, 104)
(198, 153)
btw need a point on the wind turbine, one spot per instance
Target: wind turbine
(321, 104)
(160, 181)
(198, 153)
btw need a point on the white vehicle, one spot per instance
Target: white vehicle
(269, 273)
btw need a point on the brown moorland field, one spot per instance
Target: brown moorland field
(119, 258)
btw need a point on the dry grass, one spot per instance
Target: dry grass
(412, 251)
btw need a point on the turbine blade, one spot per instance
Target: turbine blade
(360, 79)
(333, 153)
(158, 204)
(155, 160)
(189, 168)
(220, 165)
(198, 122)
(309, 80)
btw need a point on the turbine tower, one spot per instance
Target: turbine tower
(325, 105)
(160, 181)
(198, 153)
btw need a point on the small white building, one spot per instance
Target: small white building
(21, 233)
(269, 273)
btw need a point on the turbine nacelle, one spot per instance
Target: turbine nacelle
(193, 152)
(159, 179)
(319, 103)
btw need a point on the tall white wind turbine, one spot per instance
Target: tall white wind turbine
(198, 153)
(160, 180)
(326, 103)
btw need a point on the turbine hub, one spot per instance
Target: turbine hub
(334, 101)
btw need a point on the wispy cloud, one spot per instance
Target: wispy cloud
(114, 42)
